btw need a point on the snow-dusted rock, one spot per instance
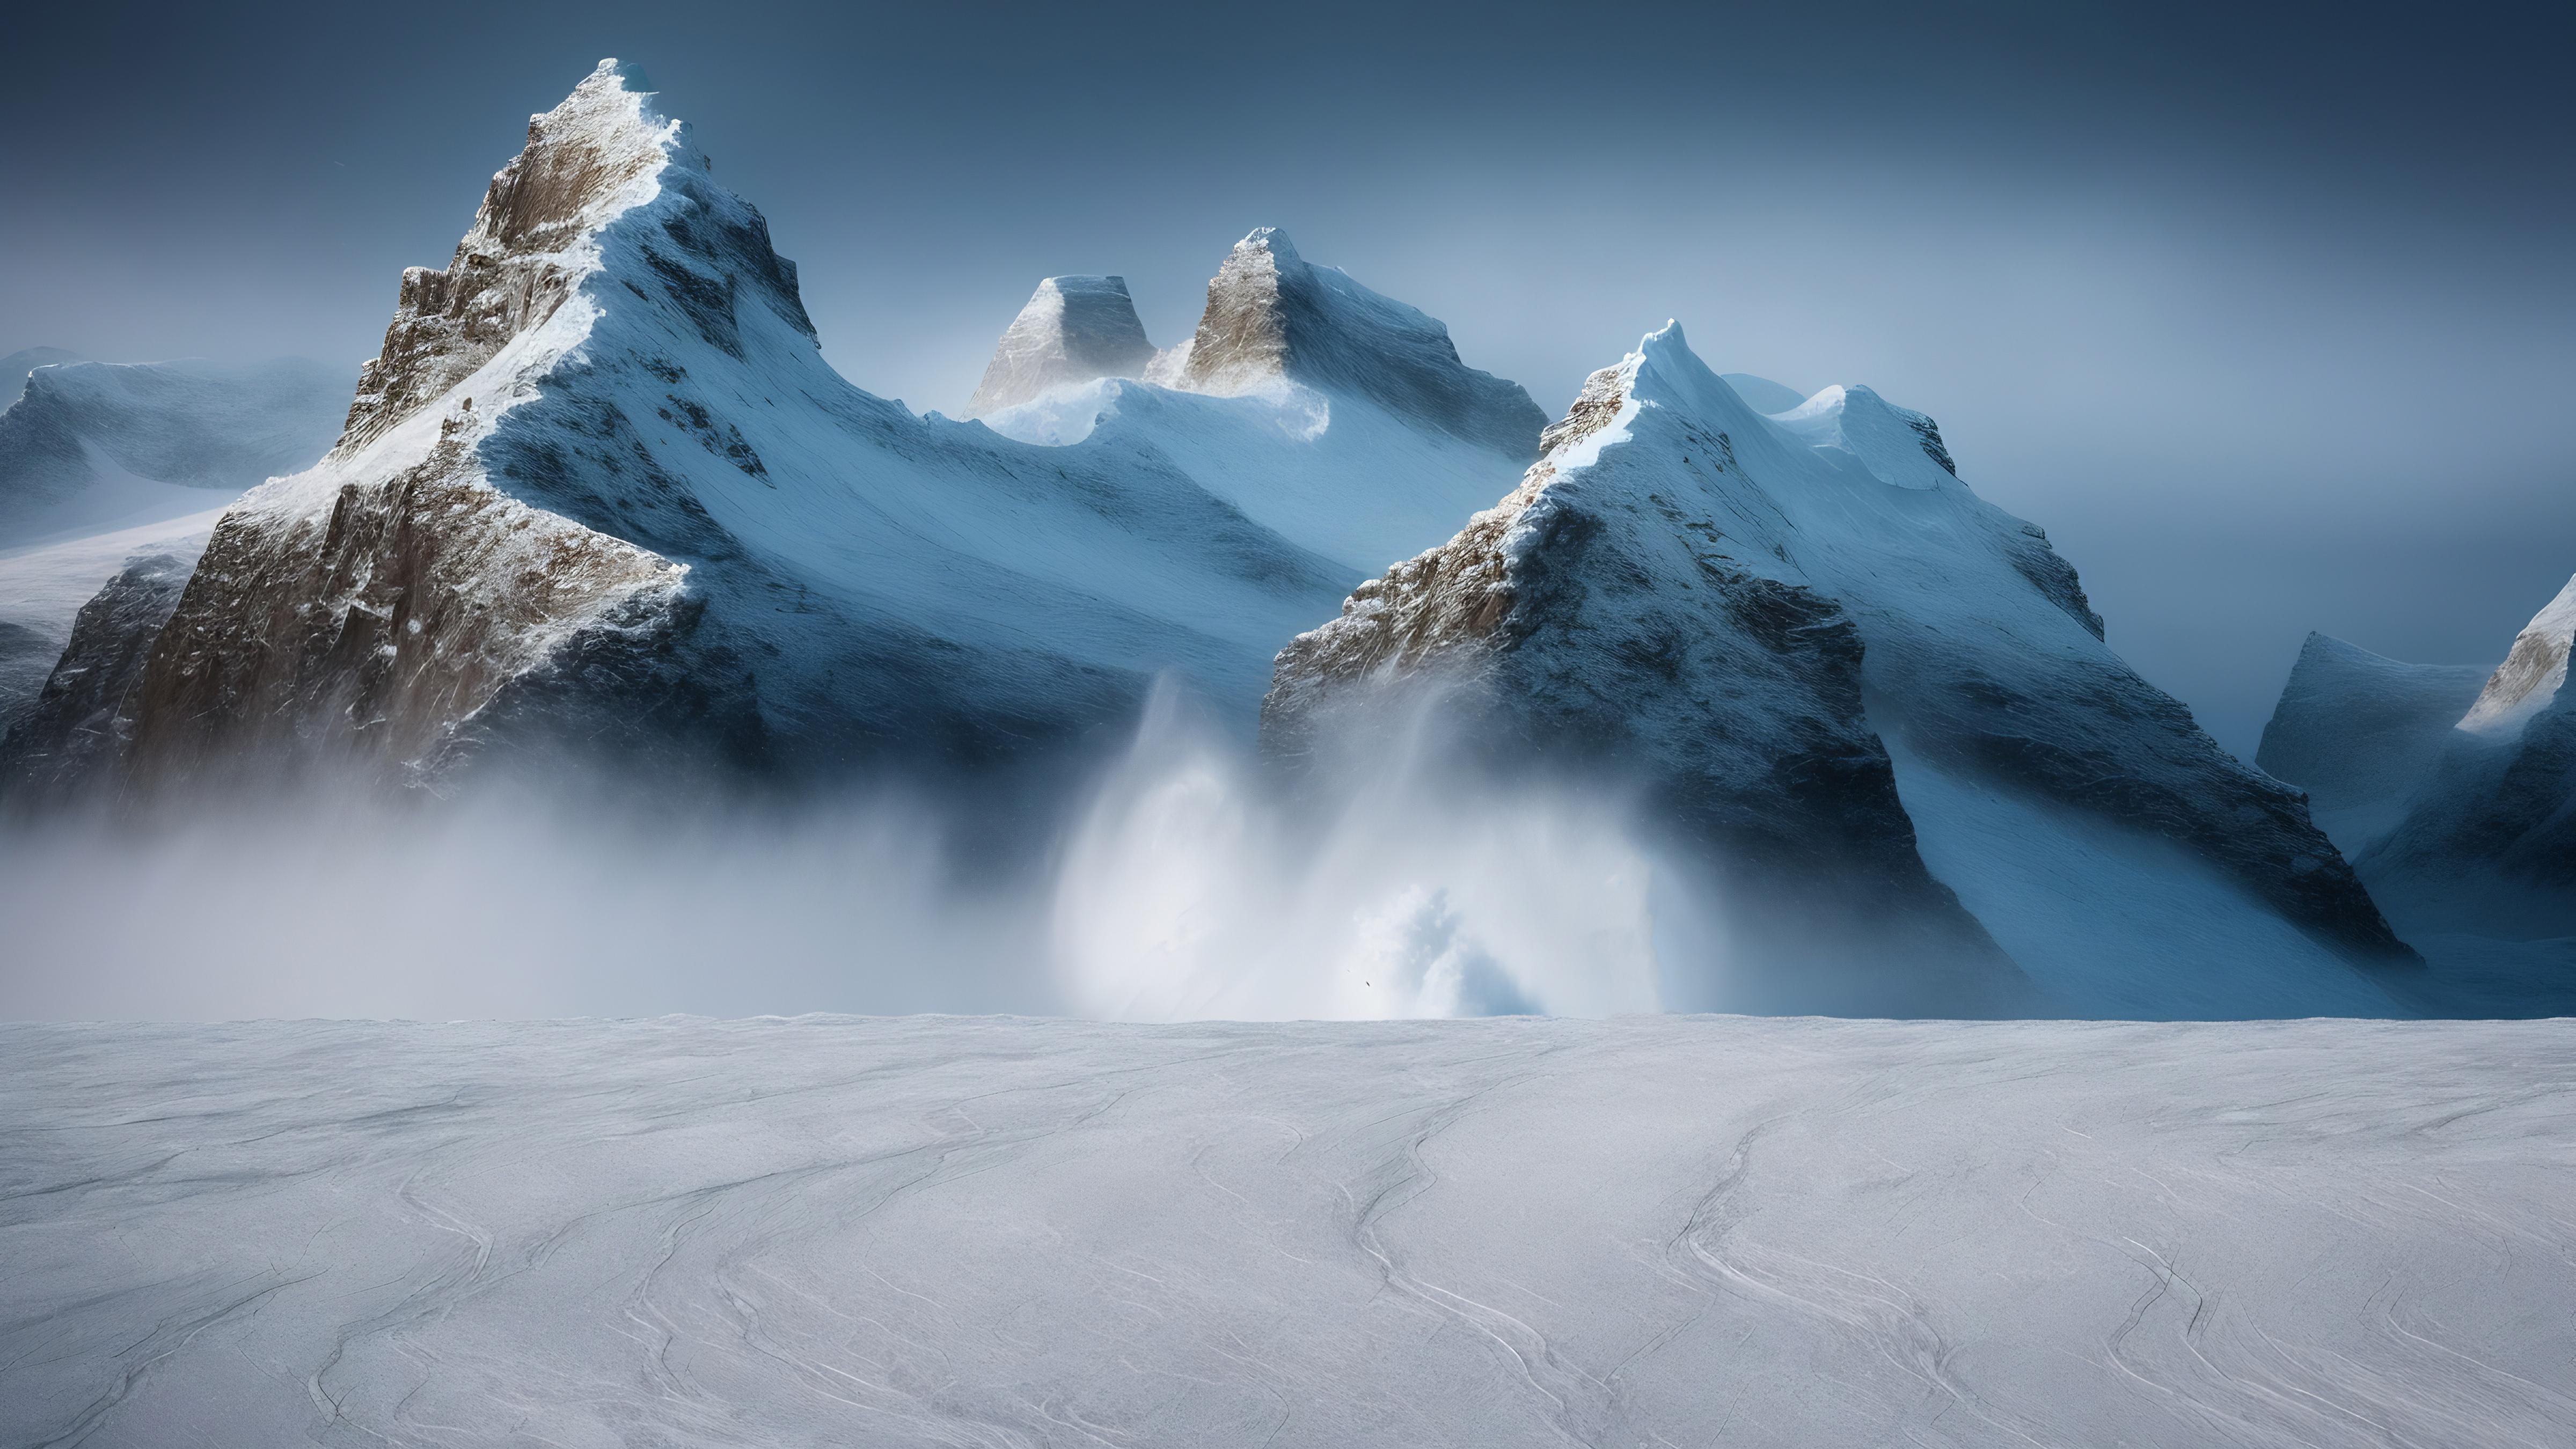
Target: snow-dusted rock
(600, 485)
(2533, 672)
(85, 712)
(1816, 652)
(1338, 418)
(1073, 330)
(1272, 315)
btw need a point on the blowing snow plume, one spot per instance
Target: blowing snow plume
(1177, 883)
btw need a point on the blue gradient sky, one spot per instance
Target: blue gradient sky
(2265, 316)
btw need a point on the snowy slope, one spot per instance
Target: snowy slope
(144, 431)
(1273, 316)
(1664, 594)
(2358, 732)
(15, 367)
(1010, 1233)
(600, 484)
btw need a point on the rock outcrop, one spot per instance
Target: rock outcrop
(84, 717)
(1816, 654)
(1074, 329)
(599, 491)
(1272, 315)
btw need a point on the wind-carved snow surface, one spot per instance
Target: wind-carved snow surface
(1832, 666)
(1522, 1232)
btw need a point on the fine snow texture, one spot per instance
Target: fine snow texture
(1746, 612)
(1500, 1233)
(1074, 329)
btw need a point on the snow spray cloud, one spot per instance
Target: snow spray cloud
(1187, 890)
(1182, 884)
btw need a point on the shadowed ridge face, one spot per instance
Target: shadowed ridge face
(1812, 649)
(2486, 841)
(1593, 623)
(1272, 315)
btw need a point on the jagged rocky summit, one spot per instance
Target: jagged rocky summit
(599, 488)
(1880, 709)
(2454, 789)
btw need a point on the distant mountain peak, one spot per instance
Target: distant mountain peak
(2531, 675)
(1274, 316)
(1073, 330)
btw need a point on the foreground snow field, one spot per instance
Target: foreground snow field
(1008, 1232)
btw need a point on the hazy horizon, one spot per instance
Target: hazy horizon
(2262, 317)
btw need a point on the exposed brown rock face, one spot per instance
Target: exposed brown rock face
(85, 714)
(1273, 315)
(1428, 612)
(1590, 625)
(520, 262)
(375, 628)
(360, 612)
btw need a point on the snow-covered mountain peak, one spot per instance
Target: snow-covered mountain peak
(1073, 330)
(1899, 447)
(2531, 675)
(588, 161)
(15, 367)
(1272, 316)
